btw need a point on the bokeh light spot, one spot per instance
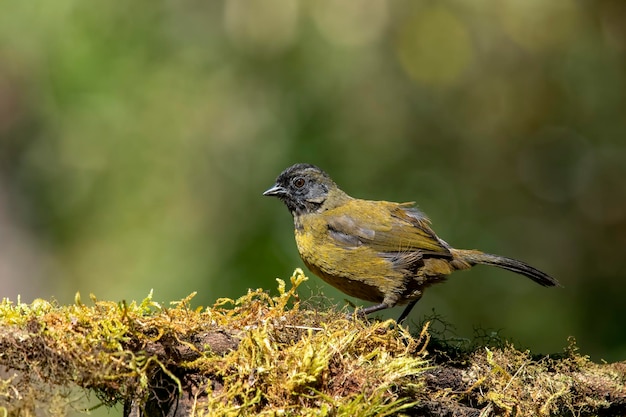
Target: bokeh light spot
(433, 46)
(351, 23)
(537, 24)
(267, 26)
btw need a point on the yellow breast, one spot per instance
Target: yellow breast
(359, 272)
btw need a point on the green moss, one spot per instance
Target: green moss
(264, 355)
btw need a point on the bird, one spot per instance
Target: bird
(377, 251)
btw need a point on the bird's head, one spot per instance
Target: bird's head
(304, 188)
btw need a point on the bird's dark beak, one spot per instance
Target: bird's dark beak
(276, 191)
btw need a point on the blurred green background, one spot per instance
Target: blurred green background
(136, 139)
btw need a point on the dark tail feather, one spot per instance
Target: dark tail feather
(477, 257)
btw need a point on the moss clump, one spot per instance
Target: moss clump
(264, 355)
(255, 355)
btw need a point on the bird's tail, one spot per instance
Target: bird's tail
(476, 257)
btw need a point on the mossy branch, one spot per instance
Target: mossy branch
(267, 355)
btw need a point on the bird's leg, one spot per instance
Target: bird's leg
(382, 306)
(372, 309)
(407, 310)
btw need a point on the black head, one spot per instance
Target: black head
(303, 188)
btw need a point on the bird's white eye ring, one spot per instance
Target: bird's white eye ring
(299, 182)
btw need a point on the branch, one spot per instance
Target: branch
(263, 354)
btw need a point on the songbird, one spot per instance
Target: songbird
(377, 251)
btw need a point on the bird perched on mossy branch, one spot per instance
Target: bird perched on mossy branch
(377, 251)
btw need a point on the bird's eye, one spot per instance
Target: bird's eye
(299, 182)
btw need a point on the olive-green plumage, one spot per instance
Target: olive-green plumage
(374, 250)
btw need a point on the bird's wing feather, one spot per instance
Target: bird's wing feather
(384, 227)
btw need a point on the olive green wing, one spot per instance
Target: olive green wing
(385, 227)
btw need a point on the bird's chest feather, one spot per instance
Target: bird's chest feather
(314, 246)
(357, 271)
